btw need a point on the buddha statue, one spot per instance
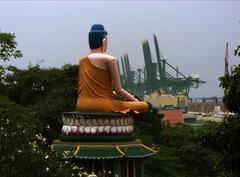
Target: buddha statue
(99, 80)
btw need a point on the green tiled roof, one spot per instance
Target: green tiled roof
(98, 152)
(103, 151)
(137, 151)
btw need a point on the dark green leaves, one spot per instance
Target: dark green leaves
(8, 47)
(231, 85)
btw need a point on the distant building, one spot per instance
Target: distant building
(172, 117)
(171, 106)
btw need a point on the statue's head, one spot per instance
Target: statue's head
(97, 36)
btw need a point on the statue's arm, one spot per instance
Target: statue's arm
(112, 65)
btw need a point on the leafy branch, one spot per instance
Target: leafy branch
(8, 47)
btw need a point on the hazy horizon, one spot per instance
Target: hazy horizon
(191, 34)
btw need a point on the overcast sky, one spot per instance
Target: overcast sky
(191, 34)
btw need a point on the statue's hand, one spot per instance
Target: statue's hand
(115, 94)
(135, 99)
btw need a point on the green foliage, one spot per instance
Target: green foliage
(181, 152)
(23, 148)
(49, 92)
(149, 129)
(231, 85)
(224, 138)
(147, 126)
(163, 164)
(7, 50)
(8, 47)
(227, 134)
(179, 135)
(199, 161)
(185, 143)
(23, 151)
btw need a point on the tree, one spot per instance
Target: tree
(195, 159)
(8, 46)
(225, 137)
(7, 50)
(23, 150)
(181, 152)
(231, 85)
(164, 164)
(49, 92)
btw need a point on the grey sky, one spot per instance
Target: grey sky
(191, 35)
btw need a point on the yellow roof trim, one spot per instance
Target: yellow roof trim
(119, 150)
(77, 150)
(148, 148)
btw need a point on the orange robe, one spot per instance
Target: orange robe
(95, 93)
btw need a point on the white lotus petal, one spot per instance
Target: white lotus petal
(106, 122)
(82, 122)
(94, 130)
(107, 129)
(89, 122)
(131, 128)
(129, 121)
(81, 129)
(63, 120)
(76, 122)
(125, 121)
(100, 129)
(94, 122)
(68, 129)
(87, 130)
(64, 129)
(112, 122)
(117, 122)
(100, 122)
(68, 120)
(72, 122)
(121, 121)
(124, 129)
(74, 129)
(113, 129)
(119, 129)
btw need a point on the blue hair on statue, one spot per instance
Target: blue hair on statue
(96, 35)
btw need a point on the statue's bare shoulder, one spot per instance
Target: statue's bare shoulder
(101, 60)
(101, 56)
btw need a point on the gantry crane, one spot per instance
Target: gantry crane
(159, 76)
